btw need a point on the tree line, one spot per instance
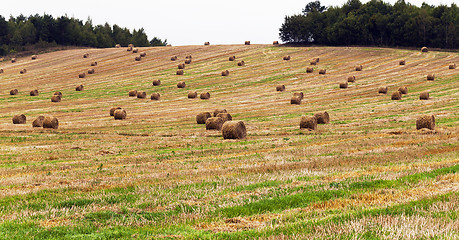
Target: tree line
(17, 33)
(374, 23)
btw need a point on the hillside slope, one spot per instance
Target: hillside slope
(158, 173)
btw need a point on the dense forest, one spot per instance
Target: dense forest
(20, 33)
(374, 23)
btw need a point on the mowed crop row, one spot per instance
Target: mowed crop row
(158, 173)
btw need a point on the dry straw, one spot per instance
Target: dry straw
(129, 49)
(14, 92)
(19, 119)
(179, 72)
(133, 93)
(1, 70)
(382, 90)
(13, 60)
(322, 117)
(234, 130)
(119, 114)
(396, 95)
(424, 49)
(56, 98)
(225, 73)
(205, 95)
(430, 77)
(38, 122)
(452, 66)
(309, 70)
(425, 121)
(143, 54)
(173, 58)
(86, 55)
(34, 92)
(112, 110)
(308, 122)
(295, 100)
(79, 88)
(343, 85)
(202, 117)
(424, 95)
(403, 90)
(358, 68)
(135, 50)
(280, 88)
(181, 84)
(188, 61)
(138, 58)
(322, 71)
(241, 63)
(402, 62)
(58, 93)
(82, 75)
(156, 82)
(34, 57)
(351, 79)
(192, 94)
(91, 71)
(117, 46)
(225, 116)
(214, 123)
(141, 94)
(155, 96)
(23, 71)
(218, 111)
(50, 122)
(232, 58)
(181, 66)
(94, 64)
(286, 58)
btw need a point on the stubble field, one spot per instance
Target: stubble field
(157, 174)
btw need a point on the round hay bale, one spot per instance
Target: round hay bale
(58, 93)
(425, 121)
(188, 61)
(91, 71)
(34, 92)
(322, 71)
(351, 79)
(86, 55)
(295, 100)
(232, 58)
(135, 50)
(56, 98)
(214, 123)
(309, 70)
(247, 43)
(155, 96)
(117, 46)
(217, 111)
(308, 122)
(358, 68)
(138, 58)
(313, 63)
(280, 88)
(192, 94)
(343, 85)
(179, 72)
(79, 88)
(34, 57)
(133, 93)
(188, 57)
(322, 117)
(401, 62)
(23, 71)
(452, 66)
(14, 92)
(13, 60)
(181, 66)
(225, 116)
(424, 96)
(94, 64)
(119, 114)
(1, 70)
(234, 130)
(205, 95)
(430, 77)
(316, 59)
(382, 90)
(241, 63)
(403, 90)
(112, 110)
(275, 42)
(143, 54)
(82, 75)
(173, 58)
(129, 49)
(396, 95)
(299, 94)
(50, 122)
(141, 94)
(202, 117)
(225, 73)
(181, 84)
(206, 43)
(131, 45)
(286, 58)
(38, 122)
(424, 49)
(156, 82)
(19, 119)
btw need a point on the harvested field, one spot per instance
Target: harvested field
(158, 174)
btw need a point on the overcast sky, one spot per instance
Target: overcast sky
(184, 22)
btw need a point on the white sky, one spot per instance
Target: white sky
(184, 22)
